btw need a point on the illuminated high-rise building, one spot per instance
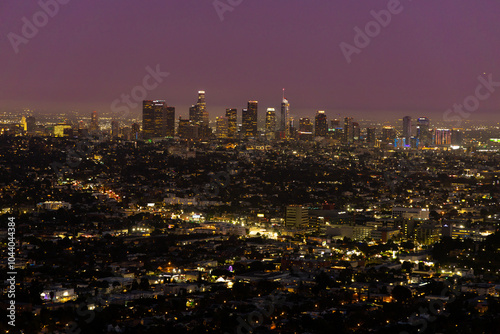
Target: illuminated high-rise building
(270, 120)
(424, 134)
(202, 107)
(187, 129)
(356, 131)
(221, 124)
(148, 119)
(457, 137)
(94, 122)
(198, 113)
(24, 124)
(30, 124)
(285, 115)
(348, 130)
(407, 129)
(442, 137)
(371, 135)
(135, 131)
(249, 119)
(388, 134)
(170, 121)
(157, 119)
(232, 122)
(305, 128)
(297, 217)
(320, 124)
(115, 128)
(194, 115)
(336, 131)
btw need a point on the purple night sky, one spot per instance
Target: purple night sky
(428, 58)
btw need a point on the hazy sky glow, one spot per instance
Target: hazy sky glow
(92, 51)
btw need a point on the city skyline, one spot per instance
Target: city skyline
(237, 166)
(396, 73)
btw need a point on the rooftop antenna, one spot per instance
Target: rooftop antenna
(283, 93)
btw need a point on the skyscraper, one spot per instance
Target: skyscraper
(388, 134)
(305, 128)
(371, 136)
(423, 132)
(186, 129)
(407, 130)
(198, 113)
(249, 119)
(115, 128)
(202, 107)
(94, 122)
(320, 124)
(457, 137)
(24, 124)
(221, 124)
(348, 130)
(194, 115)
(285, 114)
(356, 131)
(170, 121)
(157, 119)
(232, 122)
(443, 137)
(31, 124)
(270, 120)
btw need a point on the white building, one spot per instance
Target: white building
(410, 213)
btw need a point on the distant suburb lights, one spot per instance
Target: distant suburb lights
(372, 29)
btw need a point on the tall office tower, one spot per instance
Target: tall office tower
(320, 124)
(148, 119)
(442, 137)
(407, 129)
(305, 125)
(136, 129)
(348, 130)
(115, 129)
(194, 115)
(94, 122)
(202, 107)
(24, 124)
(249, 119)
(232, 122)
(457, 137)
(424, 134)
(221, 126)
(31, 124)
(356, 131)
(371, 135)
(187, 129)
(305, 128)
(388, 134)
(297, 216)
(285, 115)
(292, 129)
(270, 120)
(154, 118)
(169, 117)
